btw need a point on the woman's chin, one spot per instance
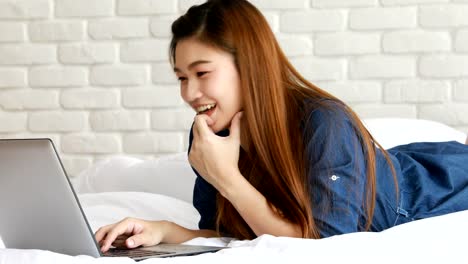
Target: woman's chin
(217, 129)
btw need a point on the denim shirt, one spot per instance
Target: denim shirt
(337, 178)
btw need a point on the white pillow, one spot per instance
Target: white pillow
(391, 132)
(109, 207)
(170, 175)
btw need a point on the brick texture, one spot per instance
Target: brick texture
(95, 75)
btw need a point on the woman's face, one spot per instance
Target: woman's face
(209, 81)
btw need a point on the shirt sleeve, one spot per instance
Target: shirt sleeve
(336, 172)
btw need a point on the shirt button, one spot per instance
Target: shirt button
(334, 178)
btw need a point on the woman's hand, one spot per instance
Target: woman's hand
(131, 233)
(216, 158)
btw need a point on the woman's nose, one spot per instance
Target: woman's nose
(192, 91)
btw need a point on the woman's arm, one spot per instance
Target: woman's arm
(336, 172)
(223, 174)
(132, 232)
(178, 234)
(255, 210)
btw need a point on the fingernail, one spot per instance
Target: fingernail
(130, 242)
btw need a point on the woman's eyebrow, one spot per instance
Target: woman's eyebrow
(193, 64)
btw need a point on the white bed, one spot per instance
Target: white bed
(146, 189)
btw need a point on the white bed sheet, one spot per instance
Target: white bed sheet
(435, 240)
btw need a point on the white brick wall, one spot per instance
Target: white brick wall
(354, 91)
(312, 20)
(151, 97)
(27, 54)
(295, 46)
(56, 31)
(341, 3)
(172, 119)
(13, 122)
(386, 110)
(94, 75)
(347, 43)
(161, 26)
(184, 5)
(163, 73)
(320, 69)
(75, 165)
(12, 32)
(451, 114)
(411, 2)
(91, 144)
(461, 41)
(444, 66)
(461, 91)
(119, 120)
(87, 53)
(117, 75)
(280, 4)
(27, 99)
(146, 7)
(57, 121)
(416, 91)
(382, 66)
(25, 9)
(383, 18)
(84, 8)
(118, 28)
(416, 41)
(12, 78)
(162, 142)
(442, 16)
(144, 51)
(58, 76)
(90, 99)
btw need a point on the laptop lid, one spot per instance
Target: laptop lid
(39, 208)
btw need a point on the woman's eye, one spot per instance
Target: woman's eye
(181, 79)
(200, 74)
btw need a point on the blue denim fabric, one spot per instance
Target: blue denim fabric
(435, 179)
(432, 179)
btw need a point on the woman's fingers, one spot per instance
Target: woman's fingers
(101, 233)
(201, 125)
(120, 241)
(125, 227)
(110, 237)
(235, 130)
(138, 240)
(141, 239)
(130, 233)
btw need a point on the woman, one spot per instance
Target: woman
(275, 154)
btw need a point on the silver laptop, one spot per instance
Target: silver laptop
(40, 210)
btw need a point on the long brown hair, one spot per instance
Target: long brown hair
(274, 94)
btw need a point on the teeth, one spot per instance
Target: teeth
(205, 107)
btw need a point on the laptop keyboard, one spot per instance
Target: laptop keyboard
(133, 253)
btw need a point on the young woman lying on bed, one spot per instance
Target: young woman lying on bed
(275, 154)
